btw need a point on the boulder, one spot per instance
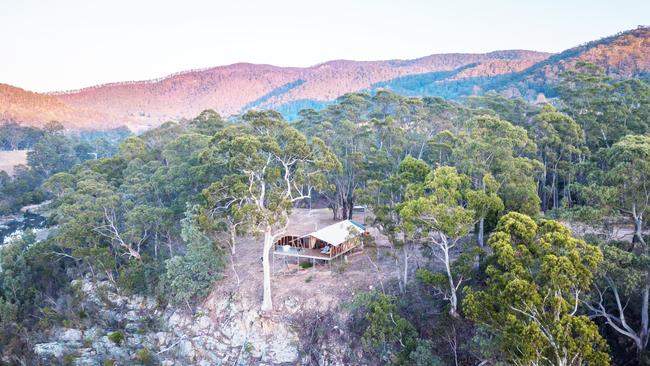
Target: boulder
(70, 336)
(49, 350)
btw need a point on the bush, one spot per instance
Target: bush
(422, 355)
(192, 275)
(140, 277)
(69, 360)
(387, 332)
(116, 337)
(132, 279)
(145, 357)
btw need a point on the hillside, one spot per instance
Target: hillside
(626, 54)
(234, 88)
(229, 89)
(34, 109)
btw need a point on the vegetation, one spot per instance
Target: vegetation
(473, 186)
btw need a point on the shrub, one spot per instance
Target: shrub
(145, 357)
(116, 337)
(132, 279)
(69, 360)
(192, 275)
(422, 356)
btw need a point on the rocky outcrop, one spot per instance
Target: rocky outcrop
(224, 331)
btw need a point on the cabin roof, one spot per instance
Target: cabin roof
(338, 233)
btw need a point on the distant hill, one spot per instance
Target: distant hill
(33, 109)
(626, 54)
(234, 88)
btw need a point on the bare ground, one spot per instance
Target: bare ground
(324, 284)
(8, 159)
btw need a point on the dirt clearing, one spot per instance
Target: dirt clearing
(8, 159)
(323, 284)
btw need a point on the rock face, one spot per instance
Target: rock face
(221, 332)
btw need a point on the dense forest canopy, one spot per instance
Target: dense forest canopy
(477, 185)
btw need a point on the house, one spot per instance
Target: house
(325, 244)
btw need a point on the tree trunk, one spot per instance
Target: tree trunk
(233, 240)
(406, 265)
(335, 209)
(542, 186)
(267, 302)
(453, 298)
(350, 207)
(554, 189)
(645, 332)
(638, 228)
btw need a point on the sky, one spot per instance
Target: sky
(67, 44)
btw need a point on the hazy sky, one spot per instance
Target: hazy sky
(52, 45)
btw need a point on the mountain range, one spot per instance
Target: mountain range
(235, 88)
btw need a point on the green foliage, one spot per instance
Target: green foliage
(13, 136)
(139, 277)
(596, 101)
(193, 274)
(70, 359)
(387, 332)
(629, 176)
(422, 355)
(116, 337)
(561, 146)
(496, 147)
(530, 300)
(145, 357)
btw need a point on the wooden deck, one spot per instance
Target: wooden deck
(303, 253)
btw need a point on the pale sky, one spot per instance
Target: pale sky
(53, 45)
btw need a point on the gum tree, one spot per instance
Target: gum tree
(269, 167)
(441, 219)
(530, 300)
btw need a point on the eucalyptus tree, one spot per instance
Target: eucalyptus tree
(620, 297)
(623, 293)
(628, 179)
(606, 109)
(530, 300)
(269, 167)
(560, 142)
(494, 154)
(388, 196)
(440, 219)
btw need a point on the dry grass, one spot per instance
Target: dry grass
(8, 159)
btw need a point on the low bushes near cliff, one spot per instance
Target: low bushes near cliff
(192, 275)
(145, 357)
(116, 337)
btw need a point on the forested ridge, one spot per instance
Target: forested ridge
(529, 222)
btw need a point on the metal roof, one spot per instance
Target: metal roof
(339, 233)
